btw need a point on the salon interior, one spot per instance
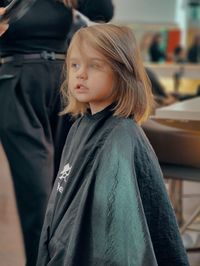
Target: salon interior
(168, 34)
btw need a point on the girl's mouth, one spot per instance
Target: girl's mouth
(81, 87)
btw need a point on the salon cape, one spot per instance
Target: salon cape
(109, 205)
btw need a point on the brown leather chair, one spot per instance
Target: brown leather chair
(178, 152)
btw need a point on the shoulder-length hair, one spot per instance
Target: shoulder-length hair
(132, 90)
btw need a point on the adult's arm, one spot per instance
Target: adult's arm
(97, 10)
(3, 25)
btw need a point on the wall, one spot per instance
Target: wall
(145, 11)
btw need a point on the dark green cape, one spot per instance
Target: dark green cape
(97, 214)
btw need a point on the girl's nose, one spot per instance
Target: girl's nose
(82, 73)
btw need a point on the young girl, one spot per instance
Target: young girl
(109, 205)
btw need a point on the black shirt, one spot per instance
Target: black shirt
(46, 25)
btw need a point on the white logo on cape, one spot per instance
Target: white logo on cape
(63, 176)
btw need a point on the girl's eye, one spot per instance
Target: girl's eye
(95, 65)
(75, 65)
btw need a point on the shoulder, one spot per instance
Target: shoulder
(128, 128)
(128, 134)
(130, 140)
(97, 10)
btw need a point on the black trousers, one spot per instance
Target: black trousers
(32, 135)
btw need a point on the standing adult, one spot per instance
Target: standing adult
(32, 134)
(194, 51)
(156, 53)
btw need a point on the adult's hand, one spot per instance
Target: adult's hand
(3, 25)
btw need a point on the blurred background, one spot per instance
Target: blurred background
(176, 25)
(168, 34)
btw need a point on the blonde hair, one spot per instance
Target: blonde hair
(132, 91)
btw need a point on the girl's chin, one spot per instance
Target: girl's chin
(82, 100)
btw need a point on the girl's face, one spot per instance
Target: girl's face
(90, 78)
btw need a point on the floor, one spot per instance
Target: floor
(11, 248)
